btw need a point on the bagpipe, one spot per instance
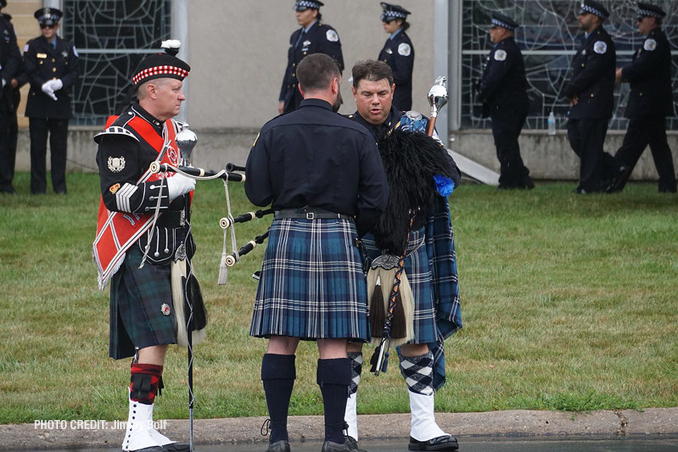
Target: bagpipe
(392, 312)
(186, 141)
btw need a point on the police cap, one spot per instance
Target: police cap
(3, 3)
(503, 21)
(48, 16)
(392, 12)
(162, 65)
(593, 7)
(648, 10)
(303, 5)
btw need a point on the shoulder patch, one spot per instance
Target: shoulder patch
(404, 49)
(332, 35)
(114, 130)
(600, 47)
(650, 45)
(500, 55)
(115, 165)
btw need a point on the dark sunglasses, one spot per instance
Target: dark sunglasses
(46, 26)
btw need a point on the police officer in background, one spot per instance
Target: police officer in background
(11, 65)
(313, 37)
(591, 95)
(52, 69)
(503, 92)
(398, 53)
(650, 102)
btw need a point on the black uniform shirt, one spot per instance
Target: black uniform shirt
(320, 38)
(45, 62)
(10, 61)
(592, 81)
(315, 157)
(650, 77)
(504, 84)
(398, 53)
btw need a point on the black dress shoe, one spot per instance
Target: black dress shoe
(444, 443)
(330, 446)
(177, 447)
(352, 444)
(279, 446)
(620, 179)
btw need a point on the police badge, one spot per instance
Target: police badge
(116, 164)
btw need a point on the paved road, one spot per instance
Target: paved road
(651, 430)
(472, 445)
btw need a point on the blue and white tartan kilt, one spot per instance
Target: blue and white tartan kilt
(312, 283)
(418, 273)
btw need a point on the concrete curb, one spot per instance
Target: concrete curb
(652, 422)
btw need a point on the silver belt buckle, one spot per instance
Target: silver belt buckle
(310, 215)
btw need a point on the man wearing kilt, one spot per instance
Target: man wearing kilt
(133, 250)
(428, 242)
(323, 176)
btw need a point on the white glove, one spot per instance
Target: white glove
(179, 185)
(57, 84)
(47, 89)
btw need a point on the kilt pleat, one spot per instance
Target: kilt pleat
(418, 271)
(312, 284)
(137, 316)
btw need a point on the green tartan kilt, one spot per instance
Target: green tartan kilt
(142, 313)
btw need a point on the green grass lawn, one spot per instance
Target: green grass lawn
(569, 302)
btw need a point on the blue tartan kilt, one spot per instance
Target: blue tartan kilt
(419, 275)
(141, 313)
(312, 283)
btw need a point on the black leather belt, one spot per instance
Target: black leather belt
(310, 213)
(171, 219)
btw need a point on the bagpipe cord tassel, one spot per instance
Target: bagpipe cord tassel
(223, 268)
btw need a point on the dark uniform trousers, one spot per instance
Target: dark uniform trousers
(506, 128)
(587, 137)
(58, 138)
(651, 131)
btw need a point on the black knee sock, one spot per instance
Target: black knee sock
(334, 377)
(278, 374)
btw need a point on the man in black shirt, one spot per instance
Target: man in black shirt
(503, 91)
(591, 95)
(323, 175)
(650, 102)
(430, 260)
